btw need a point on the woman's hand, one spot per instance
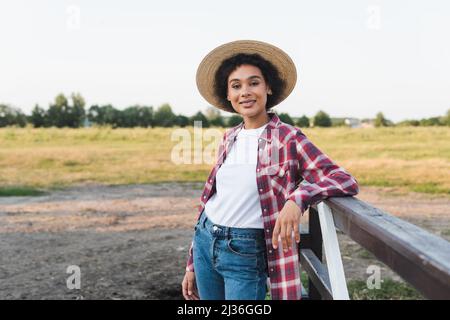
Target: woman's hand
(287, 221)
(189, 286)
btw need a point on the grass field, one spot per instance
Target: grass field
(410, 158)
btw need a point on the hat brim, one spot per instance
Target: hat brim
(207, 69)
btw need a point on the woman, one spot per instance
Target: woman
(248, 223)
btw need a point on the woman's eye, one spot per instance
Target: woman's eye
(235, 86)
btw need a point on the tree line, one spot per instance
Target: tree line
(70, 112)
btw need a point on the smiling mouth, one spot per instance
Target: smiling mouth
(247, 103)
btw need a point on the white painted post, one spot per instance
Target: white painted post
(332, 253)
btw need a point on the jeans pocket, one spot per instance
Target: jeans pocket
(244, 247)
(197, 225)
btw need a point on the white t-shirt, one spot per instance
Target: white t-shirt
(236, 201)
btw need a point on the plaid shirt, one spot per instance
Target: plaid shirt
(285, 158)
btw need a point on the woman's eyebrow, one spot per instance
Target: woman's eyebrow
(249, 78)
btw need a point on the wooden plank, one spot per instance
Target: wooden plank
(419, 257)
(315, 233)
(332, 254)
(305, 241)
(316, 247)
(317, 274)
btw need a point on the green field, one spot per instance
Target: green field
(410, 158)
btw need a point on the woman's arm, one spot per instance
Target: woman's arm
(325, 177)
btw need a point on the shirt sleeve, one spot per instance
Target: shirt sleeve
(323, 176)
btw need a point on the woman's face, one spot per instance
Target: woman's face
(247, 91)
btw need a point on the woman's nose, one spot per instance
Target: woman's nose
(245, 92)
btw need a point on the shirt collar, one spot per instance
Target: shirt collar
(273, 123)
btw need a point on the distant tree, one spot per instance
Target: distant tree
(212, 113)
(214, 117)
(303, 122)
(145, 116)
(57, 111)
(95, 115)
(217, 122)
(286, 118)
(75, 113)
(62, 114)
(38, 117)
(380, 120)
(10, 116)
(199, 116)
(234, 120)
(414, 123)
(112, 116)
(447, 118)
(182, 121)
(164, 117)
(130, 117)
(434, 121)
(322, 119)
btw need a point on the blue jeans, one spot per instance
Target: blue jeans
(229, 263)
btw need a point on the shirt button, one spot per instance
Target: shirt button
(258, 169)
(204, 197)
(271, 269)
(260, 190)
(267, 230)
(265, 210)
(270, 251)
(210, 181)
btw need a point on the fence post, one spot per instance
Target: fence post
(332, 253)
(316, 246)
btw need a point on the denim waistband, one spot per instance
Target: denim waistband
(223, 231)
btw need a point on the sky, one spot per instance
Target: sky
(354, 58)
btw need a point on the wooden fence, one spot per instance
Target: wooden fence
(420, 258)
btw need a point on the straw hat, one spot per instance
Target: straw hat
(210, 64)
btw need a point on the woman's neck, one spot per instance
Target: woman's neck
(256, 122)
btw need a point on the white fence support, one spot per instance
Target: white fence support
(332, 253)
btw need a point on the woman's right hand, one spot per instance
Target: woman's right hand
(189, 286)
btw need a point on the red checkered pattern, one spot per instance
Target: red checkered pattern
(289, 167)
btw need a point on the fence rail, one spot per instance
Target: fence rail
(419, 257)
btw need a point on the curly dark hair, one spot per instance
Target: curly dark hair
(268, 70)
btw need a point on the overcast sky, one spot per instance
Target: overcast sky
(354, 58)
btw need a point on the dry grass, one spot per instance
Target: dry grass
(413, 158)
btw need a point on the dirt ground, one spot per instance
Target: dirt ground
(131, 242)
